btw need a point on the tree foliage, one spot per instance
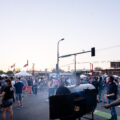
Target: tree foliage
(1, 72)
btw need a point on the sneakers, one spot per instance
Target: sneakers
(21, 106)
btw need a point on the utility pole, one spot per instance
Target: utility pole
(33, 69)
(75, 66)
(57, 65)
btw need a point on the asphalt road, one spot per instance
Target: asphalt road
(37, 108)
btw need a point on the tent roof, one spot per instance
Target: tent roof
(83, 76)
(4, 75)
(23, 73)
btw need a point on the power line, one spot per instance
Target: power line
(94, 62)
(107, 48)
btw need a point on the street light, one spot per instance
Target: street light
(57, 66)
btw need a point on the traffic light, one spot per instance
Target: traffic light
(93, 51)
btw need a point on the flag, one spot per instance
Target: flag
(26, 64)
(12, 66)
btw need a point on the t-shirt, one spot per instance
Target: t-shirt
(9, 93)
(18, 86)
(30, 83)
(112, 88)
(23, 81)
(96, 84)
(101, 84)
(13, 83)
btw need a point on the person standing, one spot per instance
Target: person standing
(30, 84)
(50, 88)
(3, 84)
(7, 100)
(112, 96)
(24, 81)
(118, 87)
(101, 90)
(35, 87)
(96, 85)
(18, 89)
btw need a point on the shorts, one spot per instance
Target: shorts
(19, 97)
(7, 103)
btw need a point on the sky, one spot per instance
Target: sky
(30, 29)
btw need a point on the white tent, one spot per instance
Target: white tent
(22, 73)
(115, 76)
(105, 75)
(83, 76)
(3, 75)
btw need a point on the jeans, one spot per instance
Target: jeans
(101, 95)
(19, 96)
(113, 111)
(35, 90)
(51, 91)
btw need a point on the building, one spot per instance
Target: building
(111, 71)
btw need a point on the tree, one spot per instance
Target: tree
(54, 70)
(9, 72)
(17, 70)
(1, 72)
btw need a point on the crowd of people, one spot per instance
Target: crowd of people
(15, 88)
(108, 90)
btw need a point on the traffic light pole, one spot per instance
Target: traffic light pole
(75, 54)
(57, 59)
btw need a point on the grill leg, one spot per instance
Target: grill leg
(92, 115)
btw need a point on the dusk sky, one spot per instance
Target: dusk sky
(30, 29)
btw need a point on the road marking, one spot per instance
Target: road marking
(104, 114)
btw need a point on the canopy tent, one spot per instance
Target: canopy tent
(83, 76)
(4, 75)
(22, 73)
(115, 76)
(105, 75)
